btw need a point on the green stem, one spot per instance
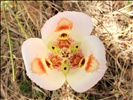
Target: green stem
(10, 47)
(129, 2)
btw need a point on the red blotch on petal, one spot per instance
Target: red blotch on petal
(37, 66)
(75, 59)
(55, 60)
(63, 43)
(64, 24)
(92, 64)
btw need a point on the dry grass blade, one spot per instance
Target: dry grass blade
(18, 21)
(33, 12)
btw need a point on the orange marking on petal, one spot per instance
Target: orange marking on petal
(63, 28)
(64, 24)
(37, 66)
(92, 64)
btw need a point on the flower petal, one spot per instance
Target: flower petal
(90, 44)
(81, 81)
(91, 67)
(76, 21)
(96, 47)
(38, 67)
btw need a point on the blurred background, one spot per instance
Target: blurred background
(113, 24)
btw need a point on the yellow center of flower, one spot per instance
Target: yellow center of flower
(67, 50)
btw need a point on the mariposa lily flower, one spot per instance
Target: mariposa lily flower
(66, 53)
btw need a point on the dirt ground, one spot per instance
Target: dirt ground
(113, 24)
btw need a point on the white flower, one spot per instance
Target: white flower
(66, 52)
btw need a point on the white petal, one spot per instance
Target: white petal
(92, 69)
(51, 79)
(82, 24)
(96, 47)
(81, 81)
(92, 45)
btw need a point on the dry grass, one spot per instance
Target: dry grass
(113, 21)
